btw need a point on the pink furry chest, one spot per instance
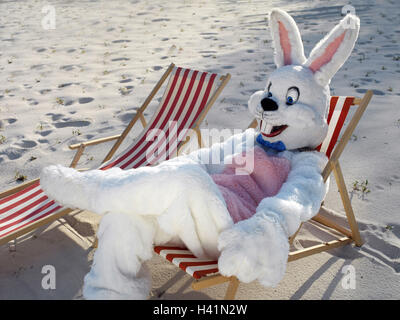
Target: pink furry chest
(251, 177)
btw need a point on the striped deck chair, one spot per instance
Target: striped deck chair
(205, 272)
(188, 96)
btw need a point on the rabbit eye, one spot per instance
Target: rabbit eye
(292, 95)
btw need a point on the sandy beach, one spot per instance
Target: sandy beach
(85, 77)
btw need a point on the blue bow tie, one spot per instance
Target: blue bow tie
(278, 146)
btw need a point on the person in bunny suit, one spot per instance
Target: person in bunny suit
(199, 203)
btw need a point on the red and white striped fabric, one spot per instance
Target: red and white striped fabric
(338, 110)
(184, 100)
(186, 261)
(24, 208)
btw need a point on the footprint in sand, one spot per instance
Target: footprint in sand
(63, 85)
(126, 117)
(55, 116)
(160, 19)
(234, 109)
(376, 92)
(13, 153)
(69, 67)
(229, 109)
(44, 91)
(247, 93)
(76, 123)
(260, 77)
(32, 102)
(85, 100)
(44, 133)
(366, 79)
(106, 129)
(125, 90)
(125, 81)
(121, 41)
(10, 120)
(26, 144)
(394, 179)
(64, 101)
(120, 59)
(210, 37)
(37, 66)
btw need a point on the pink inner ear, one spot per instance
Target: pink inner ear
(329, 52)
(285, 44)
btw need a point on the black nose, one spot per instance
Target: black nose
(269, 104)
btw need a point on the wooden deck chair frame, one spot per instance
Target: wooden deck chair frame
(346, 236)
(119, 139)
(140, 116)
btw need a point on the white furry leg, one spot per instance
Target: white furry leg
(117, 272)
(72, 188)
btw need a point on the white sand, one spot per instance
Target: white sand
(85, 79)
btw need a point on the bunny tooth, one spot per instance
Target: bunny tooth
(267, 128)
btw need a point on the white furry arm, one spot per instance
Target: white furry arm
(301, 195)
(258, 248)
(254, 249)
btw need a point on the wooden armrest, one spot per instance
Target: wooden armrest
(356, 101)
(17, 188)
(94, 142)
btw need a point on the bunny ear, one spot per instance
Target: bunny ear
(332, 51)
(288, 46)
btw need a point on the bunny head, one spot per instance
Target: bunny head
(292, 108)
